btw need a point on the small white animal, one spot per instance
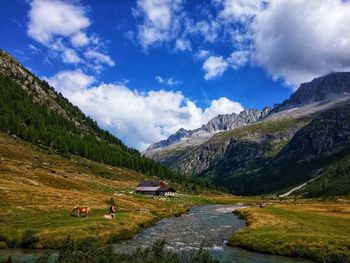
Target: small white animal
(109, 217)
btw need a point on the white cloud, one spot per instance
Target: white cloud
(241, 9)
(238, 59)
(214, 67)
(221, 106)
(293, 40)
(202, 54)
(68, 81)
(169, 81)
(99, 58)
(62, 27)
(183, 45)
(70, 56)
(80, 39)
(137, 118)
(160, 20)
(49, 18)
(298, 40)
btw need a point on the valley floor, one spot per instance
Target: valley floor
(38, 190)
(311, 229)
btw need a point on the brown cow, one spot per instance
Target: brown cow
(82, 209)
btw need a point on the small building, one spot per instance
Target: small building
(154, 188)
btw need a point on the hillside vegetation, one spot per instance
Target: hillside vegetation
(35, 112)
(39, 188)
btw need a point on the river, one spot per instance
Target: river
(208, 226)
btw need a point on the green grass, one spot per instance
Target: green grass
(318, 231)
(38, 190)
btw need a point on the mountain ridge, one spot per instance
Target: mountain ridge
(221, 122)
(233, 158)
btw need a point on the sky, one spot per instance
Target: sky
(145, 68)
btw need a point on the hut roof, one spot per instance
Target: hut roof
(152, 184)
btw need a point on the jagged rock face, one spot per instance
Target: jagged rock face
(178, 136)
(221, 122)
(231, 121)
(328, 87)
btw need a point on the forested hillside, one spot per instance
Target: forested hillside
(35, 112)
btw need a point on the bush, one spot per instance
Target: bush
(29, 239)
(88, 250)
(3, 244)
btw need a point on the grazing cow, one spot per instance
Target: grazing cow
(82, 209)
(112, 209)
(110, 216)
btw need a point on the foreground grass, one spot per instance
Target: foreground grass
(89, 250)
(319, 231)
(38, 190)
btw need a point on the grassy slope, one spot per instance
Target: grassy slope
(38, 190)
(320, 231)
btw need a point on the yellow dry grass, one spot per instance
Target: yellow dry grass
(38, 190)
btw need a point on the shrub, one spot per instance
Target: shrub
(88, 250)
(29, 239)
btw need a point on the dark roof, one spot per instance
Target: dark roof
(151, 184)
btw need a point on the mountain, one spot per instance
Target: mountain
(222, 122)
(320, 148)
(329, 87)
(34, 111)
(256, 158)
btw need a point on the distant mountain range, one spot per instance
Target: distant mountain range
(222, 122)
(253, 152)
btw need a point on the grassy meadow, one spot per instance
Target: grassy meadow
(315, 230)
(39, 188)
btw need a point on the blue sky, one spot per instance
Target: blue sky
(145, 68)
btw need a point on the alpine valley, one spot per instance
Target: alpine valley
(301, 145)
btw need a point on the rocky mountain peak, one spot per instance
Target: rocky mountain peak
(328, 87)
(222, 122)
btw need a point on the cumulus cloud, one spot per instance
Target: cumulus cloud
(298, 40)
(160, 20)
(49, 18)
(214, 67)
(137, 118)
(69, 81)
(62, 27)
(293, 40)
